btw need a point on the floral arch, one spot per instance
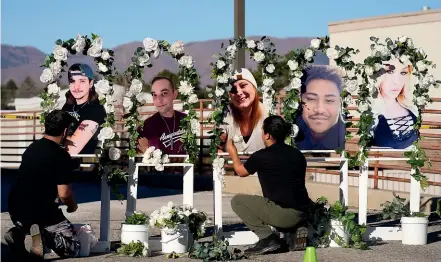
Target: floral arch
(188, 77)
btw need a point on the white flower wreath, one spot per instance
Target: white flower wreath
(56, 62)
(187, 77)
(263, 53)
(298, 62)
(404, 50)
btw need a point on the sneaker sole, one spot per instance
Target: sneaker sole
(37, 244)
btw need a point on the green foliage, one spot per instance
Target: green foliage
(137, 218)
(217, 250)
(438, 207)
(133, 249)
(397, 209)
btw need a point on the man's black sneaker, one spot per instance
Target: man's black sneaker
(36, 250)
(266, 245)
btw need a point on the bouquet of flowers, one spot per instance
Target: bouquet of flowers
(156, 157)
(170, 216)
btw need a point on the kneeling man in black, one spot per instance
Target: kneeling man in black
(281, 171)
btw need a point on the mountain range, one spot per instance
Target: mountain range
(18, 62)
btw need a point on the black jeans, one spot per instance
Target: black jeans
(60, 237)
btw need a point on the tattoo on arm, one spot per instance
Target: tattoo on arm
(94, 129)
(82, 126)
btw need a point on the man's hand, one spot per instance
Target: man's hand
(231, 148)
(143, 144)
(73, 208)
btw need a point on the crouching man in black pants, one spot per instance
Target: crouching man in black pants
(42, 177)
(281, 170)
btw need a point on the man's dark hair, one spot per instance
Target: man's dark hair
(277, 128)
(157, 78)
(320, 72)
(56, 122)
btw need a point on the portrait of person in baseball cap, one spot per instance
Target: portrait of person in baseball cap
(320, 119)
(82, 103)
(246, 114)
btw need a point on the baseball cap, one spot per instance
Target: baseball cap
(85, 70)
(245, 74)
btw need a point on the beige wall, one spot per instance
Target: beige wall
(423, 27)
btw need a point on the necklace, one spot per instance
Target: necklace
(73, 108)
(75, 113)
(169, 132)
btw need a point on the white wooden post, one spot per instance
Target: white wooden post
(363, 193)
(415, 195)
(132, 187)
(217, 200)
(188, 185)
(344, 181)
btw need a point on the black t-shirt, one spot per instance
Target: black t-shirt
(281, 170)
(32, 197)
(91, 110)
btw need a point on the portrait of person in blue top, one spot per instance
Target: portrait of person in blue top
(320, 120)
(394, 111)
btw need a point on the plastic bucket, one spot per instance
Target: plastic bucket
(414, 230)
(176, 240)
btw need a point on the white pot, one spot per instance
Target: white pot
(134, 233)
(414, 230)
(337, 229)
(176, 240)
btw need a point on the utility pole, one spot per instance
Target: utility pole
(239, 30)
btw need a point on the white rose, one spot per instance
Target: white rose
(421, 51)
(143, 60)
(259, 56)
(346, 59)
(293, 104)
(102, 86)
(105, 55)
(157, 53)
(270, 68)
(404, 59)
(349, 100)
(194, 125)
(369, 70)
(177, 48)
(363, 107)
(94, 51)
(308, 54)
(135, 87)
(127, 103)
(260, 46)
(223, 79)
(220, 64)
(157, 153)
(55, 67)
(80, 43)
(109, 107)
(251, 44)
(231, 48)
(193, 99)
(409, 43)
(378, 67)
(98, 42)
(46, 76)
(315, 43)
(332, 53)
(268, 82)
(295, 83)
(351, 73)
(102, 67)
(60, 53)
(142, 98)
(165, 159)
(114, 153)
(106, 133)
(421, 66)
(186, 61)
(53, 88)
(402, 39)
(298, 74)
(185, 88)
(421, 100)
(219, 92)
(352, 86)
(293, 65)
(294, 130)
(150, 44)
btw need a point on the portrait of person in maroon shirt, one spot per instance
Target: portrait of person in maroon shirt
(162, 130)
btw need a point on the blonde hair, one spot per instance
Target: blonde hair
(256, 112)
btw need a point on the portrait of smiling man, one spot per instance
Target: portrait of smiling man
(320, 121)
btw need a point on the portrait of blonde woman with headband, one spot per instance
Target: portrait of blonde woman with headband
(243, 123)
(394, 111)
